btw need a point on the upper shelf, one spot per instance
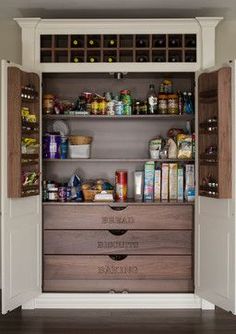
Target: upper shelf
(125, 48)
(183, 117)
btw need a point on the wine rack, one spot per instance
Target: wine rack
(214, 129)
(118, 48)
(24, 163)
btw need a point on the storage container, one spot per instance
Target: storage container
(79, 151)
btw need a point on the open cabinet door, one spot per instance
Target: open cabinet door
(215, 202)
(20, 195)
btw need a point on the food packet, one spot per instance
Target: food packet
(184, 144)
(75, 184)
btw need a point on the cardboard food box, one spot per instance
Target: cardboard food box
(157, 186)
(164, 182)
(189, 183)
(149, 180)
(173, 181)
(180, 184)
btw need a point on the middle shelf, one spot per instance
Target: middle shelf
(126, 160)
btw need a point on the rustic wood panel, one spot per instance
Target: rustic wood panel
(68, 267)
(171, 286)
(14, 131)
(104, 242)
(130, 217)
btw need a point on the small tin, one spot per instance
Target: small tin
(68, 193)
(121, 185)
(62, 194)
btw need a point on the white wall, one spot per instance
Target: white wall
(226, 41)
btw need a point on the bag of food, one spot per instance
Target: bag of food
(184, 144)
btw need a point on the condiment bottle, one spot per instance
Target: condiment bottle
(152, 100)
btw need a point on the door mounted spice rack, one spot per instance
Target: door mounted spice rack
(214, 127)
(23, 133)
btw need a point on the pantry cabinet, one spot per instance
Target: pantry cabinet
(150, 248)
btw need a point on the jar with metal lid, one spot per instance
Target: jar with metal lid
(48, 104)
(137, 108)
(53, 194)
(119, 108)
(162, 104)
(173, 104)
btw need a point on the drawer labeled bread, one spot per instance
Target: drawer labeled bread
(69, 267)
(108, 242)
(124, 217)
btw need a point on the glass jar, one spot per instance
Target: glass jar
(162, 104)
(102, 106)
(94, 107)
(48, 104)
(119, 108)
(53, 194)
(173, 104)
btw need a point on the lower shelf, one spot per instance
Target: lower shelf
(117, 204)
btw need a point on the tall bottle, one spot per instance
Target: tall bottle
(152, 100)
(111, 43)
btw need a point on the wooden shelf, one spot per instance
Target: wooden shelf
(119, 204)
(95, 160)
(122, 117)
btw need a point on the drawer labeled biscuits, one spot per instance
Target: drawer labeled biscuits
(80, 242)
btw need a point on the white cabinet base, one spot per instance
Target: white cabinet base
(118, 301)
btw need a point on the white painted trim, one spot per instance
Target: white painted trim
(117, 301)
(205, 305)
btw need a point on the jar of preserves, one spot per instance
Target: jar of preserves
(173, 104)
(94, 107)
(48, 104)
(162, 104)
(102, 106)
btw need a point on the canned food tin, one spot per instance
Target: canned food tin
(62, 194)
(121, 185)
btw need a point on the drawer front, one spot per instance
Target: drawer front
(75, 285)
(117, 242)
(100, 267)
(130, 217)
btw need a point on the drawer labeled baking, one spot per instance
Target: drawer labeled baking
(120, 285)
(108, 217)
(117, 241)
(100, 267)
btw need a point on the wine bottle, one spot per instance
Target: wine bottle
(111, 59)
(140, 43)
(152, 100)
(142, 59)
(191, 41)
(77, 59)
(92, 59)
(159, 59)
(160, 42)
(111, 43)
(92, 43)
(174, 42)
(75, 43)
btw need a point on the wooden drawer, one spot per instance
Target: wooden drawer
(117, 242)
(74, 285)
(130, 217)
(101, 267)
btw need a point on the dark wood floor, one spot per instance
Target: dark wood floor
(117, 321)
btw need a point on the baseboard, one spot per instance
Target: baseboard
(116, 301)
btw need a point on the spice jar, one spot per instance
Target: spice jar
(162, 104)
(53, 194)
(173, 104)
(102, 106)
(137, 108)
(94, 107)
(119, 108)
(48, 104)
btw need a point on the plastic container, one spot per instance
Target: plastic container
(79, 151)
